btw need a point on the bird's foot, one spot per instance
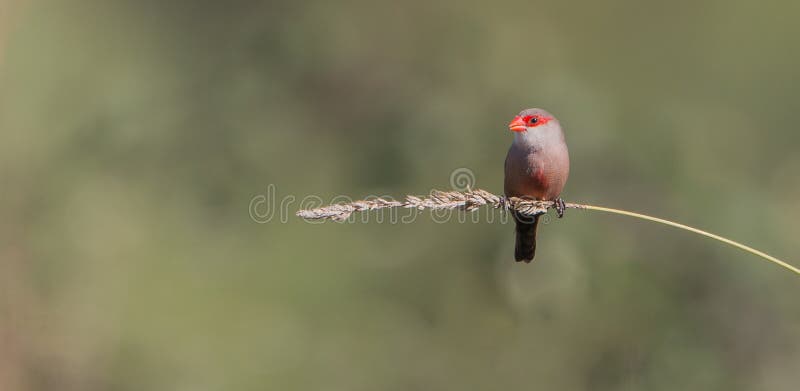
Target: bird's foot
(560, 206)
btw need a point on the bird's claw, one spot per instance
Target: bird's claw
(560, 206)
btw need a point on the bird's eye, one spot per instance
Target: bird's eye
(533, 120)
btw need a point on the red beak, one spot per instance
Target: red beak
(517, 124)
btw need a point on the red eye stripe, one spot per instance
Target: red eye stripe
(539, 120)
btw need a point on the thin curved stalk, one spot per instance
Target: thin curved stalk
(697, 231)
(472, 199)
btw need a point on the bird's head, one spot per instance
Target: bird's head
(530, 119)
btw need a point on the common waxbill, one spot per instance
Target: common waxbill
(537, 166)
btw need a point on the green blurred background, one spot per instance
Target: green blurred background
(134, 135)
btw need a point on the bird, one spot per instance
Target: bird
(536, 167)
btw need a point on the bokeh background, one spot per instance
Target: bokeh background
(134, 135)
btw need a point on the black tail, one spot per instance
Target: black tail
(525, 247)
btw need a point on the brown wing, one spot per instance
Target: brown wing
(524, 174)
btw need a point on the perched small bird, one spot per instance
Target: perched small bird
(537, 167)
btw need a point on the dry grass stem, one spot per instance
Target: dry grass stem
(468, 200)
(472, 199)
